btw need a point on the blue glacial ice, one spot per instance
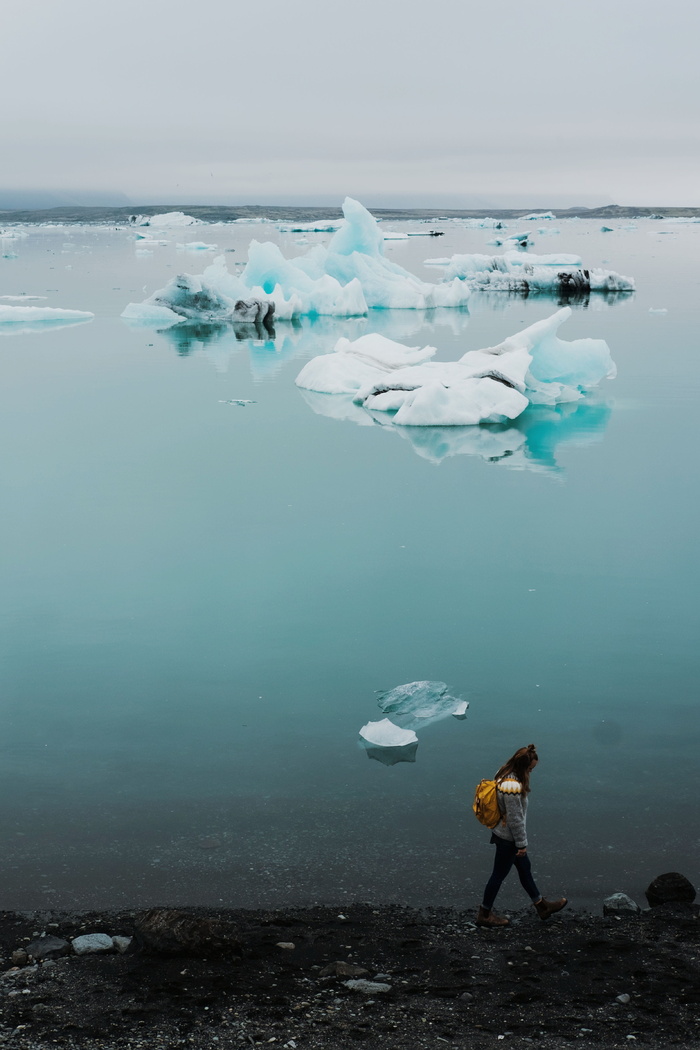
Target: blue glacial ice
(418, 704)
(345, 279)
(526, 273)
(494, 385)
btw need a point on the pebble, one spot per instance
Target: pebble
(624, 998)
(288, 946)
(122, 943)
(92, 943)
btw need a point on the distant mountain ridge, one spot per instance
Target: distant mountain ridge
(67, 213)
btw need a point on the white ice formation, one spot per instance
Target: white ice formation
(493, 385)
(344, 279)
(319, 226)
(168, 218)
(33, 315)
(385, 734)
(418, 704)
(196, 246)
(530, 274)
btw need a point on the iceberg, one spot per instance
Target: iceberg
(168, 218)
(345, 279)
(528, 274)
(419, 704)
(385, 734)
(187, 298)
(494, 385)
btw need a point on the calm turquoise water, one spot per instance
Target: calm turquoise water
(199, 601)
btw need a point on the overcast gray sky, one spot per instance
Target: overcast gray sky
(448, 98)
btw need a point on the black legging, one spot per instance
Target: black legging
(506, 857)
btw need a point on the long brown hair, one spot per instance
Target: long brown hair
(519, 766)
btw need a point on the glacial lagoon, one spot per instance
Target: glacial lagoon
(202, 601)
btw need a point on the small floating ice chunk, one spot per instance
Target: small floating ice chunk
(22, 298)
(658, 310)
(386, 734)
(196, 246)
(460, 710)
(11, 315)
(536, 215)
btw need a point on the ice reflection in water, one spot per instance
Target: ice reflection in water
(528, 443)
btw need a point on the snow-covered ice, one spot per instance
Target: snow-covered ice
(168, 218)
(386, 734)
(493, 385)
(522, 272)
(21, 315)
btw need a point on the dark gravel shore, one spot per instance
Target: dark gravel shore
(271, 979)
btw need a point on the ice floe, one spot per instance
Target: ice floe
(412, 706)
(530, 274)
(385, 734)
(418, 704)
(319, 226)
(494, 385)
(196, 246)
(23, 315)
(168, 218)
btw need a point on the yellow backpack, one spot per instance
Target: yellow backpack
(486, 804)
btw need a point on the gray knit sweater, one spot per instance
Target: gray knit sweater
(512, 802)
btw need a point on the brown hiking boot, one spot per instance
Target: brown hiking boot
(489, 918)
(546, 908)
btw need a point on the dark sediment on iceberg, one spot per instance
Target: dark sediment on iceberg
(239, 978)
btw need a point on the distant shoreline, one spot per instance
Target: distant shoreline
(279, 213)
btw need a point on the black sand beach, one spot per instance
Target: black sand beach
(248, 978)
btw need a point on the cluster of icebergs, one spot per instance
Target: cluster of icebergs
(351, 275)
(412, 706)
(494, 385)
(529, 274)
(345, 279)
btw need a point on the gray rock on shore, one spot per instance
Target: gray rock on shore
(620, 904)
(45, 948)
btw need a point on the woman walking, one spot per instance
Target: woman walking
(510, 838)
